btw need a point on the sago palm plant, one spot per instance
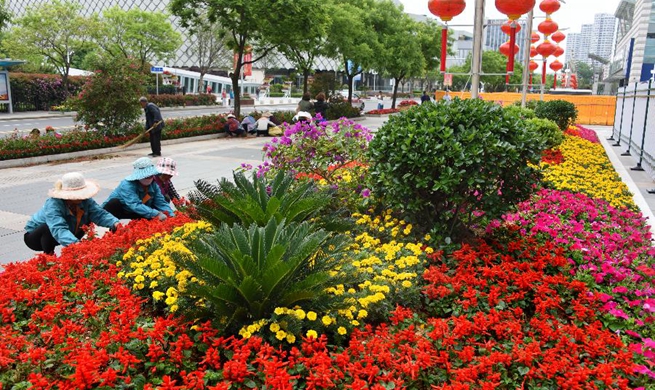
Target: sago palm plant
(245, 273)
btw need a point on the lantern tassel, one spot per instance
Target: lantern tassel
(444, 47)
(543, 73)
(512, 43)
(555, 81)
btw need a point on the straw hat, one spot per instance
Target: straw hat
(143, 168)
(73, 186)
(231, 116)
(302, 114)
(167, 166)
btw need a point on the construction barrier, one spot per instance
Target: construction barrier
(592, 109)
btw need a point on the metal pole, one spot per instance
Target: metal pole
(476, 62)
(643, 135)
(618, 140)
(611, 137)
(526, 57)
(632, 122)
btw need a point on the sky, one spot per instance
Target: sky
(571, 15)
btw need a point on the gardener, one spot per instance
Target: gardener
(153, 115)
(138, 196)
(63, 216)
(167, 168)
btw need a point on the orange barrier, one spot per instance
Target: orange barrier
(592, 109)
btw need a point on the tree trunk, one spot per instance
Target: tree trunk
(350, 88)
(236, 91)
(395, 91)
(201, 81)
(305, 75)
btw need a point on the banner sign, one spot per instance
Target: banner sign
(4, 88)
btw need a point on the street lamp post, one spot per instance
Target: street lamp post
(476, 63)
(526, 58)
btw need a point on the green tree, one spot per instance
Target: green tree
(352, 37)
(210, 47)
(143, 35)
(493, 64)
(256, 25)
(401, 55)
(109, 98)
(309, 39)
(585, 75)
(427, 34)
(50, 32)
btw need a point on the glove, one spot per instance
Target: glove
(161, 216)
(113, 228)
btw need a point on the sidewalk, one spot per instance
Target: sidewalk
(25, 188)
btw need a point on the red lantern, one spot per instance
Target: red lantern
(549, 6)
(558, 37)
(558, 51)
(514, 8)
(535, 37)
(548, 27)
(446, 10)
(533, 51)
(556, 66)
(505, 49)
(533, 66)
(546, 48)
(574, 81)
(507, 27)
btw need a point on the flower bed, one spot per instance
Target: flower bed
(385, 111)
(558, 296)
(72, 141)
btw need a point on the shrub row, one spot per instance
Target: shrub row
(40, 92)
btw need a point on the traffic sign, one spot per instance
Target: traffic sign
(156, 69)
(448, 79)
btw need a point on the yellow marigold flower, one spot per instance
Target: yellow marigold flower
(326, 320)
(342, 331)
(274, 327)
(280, 335)
(170, 301)
(354, 322)
(312, 334)
(406, 284)
(139, 279)
(157, 295)
(119, 263)
(291, 338)
(174, 308)
(311, 316)
(300, 314)
(362, 314)
(279, 311)
(172, 292)
(120, 275)
(153, 284)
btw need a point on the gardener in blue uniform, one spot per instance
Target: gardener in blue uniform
(138, 196)
(153, 115)
(69, 208)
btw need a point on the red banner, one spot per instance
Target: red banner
(247, 57)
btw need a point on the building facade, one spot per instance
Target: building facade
(633, 58)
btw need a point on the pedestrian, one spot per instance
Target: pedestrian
(232, 126)
(62, 218)
(209, 89)
(248, 124)
(425, 98)
(263, 124)
(321, 106)
(167, 168)
(304, 104)
(446, 96)
(380, 101)
(138, 196)
(153, 115)
(224, 97)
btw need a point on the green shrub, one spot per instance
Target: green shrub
(40, 92)
(449, 165)
(340, 108)
(561, 112)
(548, 131)
(110, 98)
(168, 100)
(524, 113)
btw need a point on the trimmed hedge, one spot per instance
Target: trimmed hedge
(40, 92)
(202, 99)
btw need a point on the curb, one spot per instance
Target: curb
(21, 162)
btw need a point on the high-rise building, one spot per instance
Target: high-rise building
(494, 36)
(573, 47)
(596, 38)
(633, 58)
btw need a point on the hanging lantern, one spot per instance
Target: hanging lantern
(535, 37)
(574, 81)
(533, 66)
(514, 8)
(556, 66)
(505, 49)
(507, 27)
(548, 27)
(558, 37)
(558, 51)
(446, 10)
(546, 48)
(549, 6)
(533, 51)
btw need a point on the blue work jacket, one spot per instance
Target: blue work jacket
(131, 194)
